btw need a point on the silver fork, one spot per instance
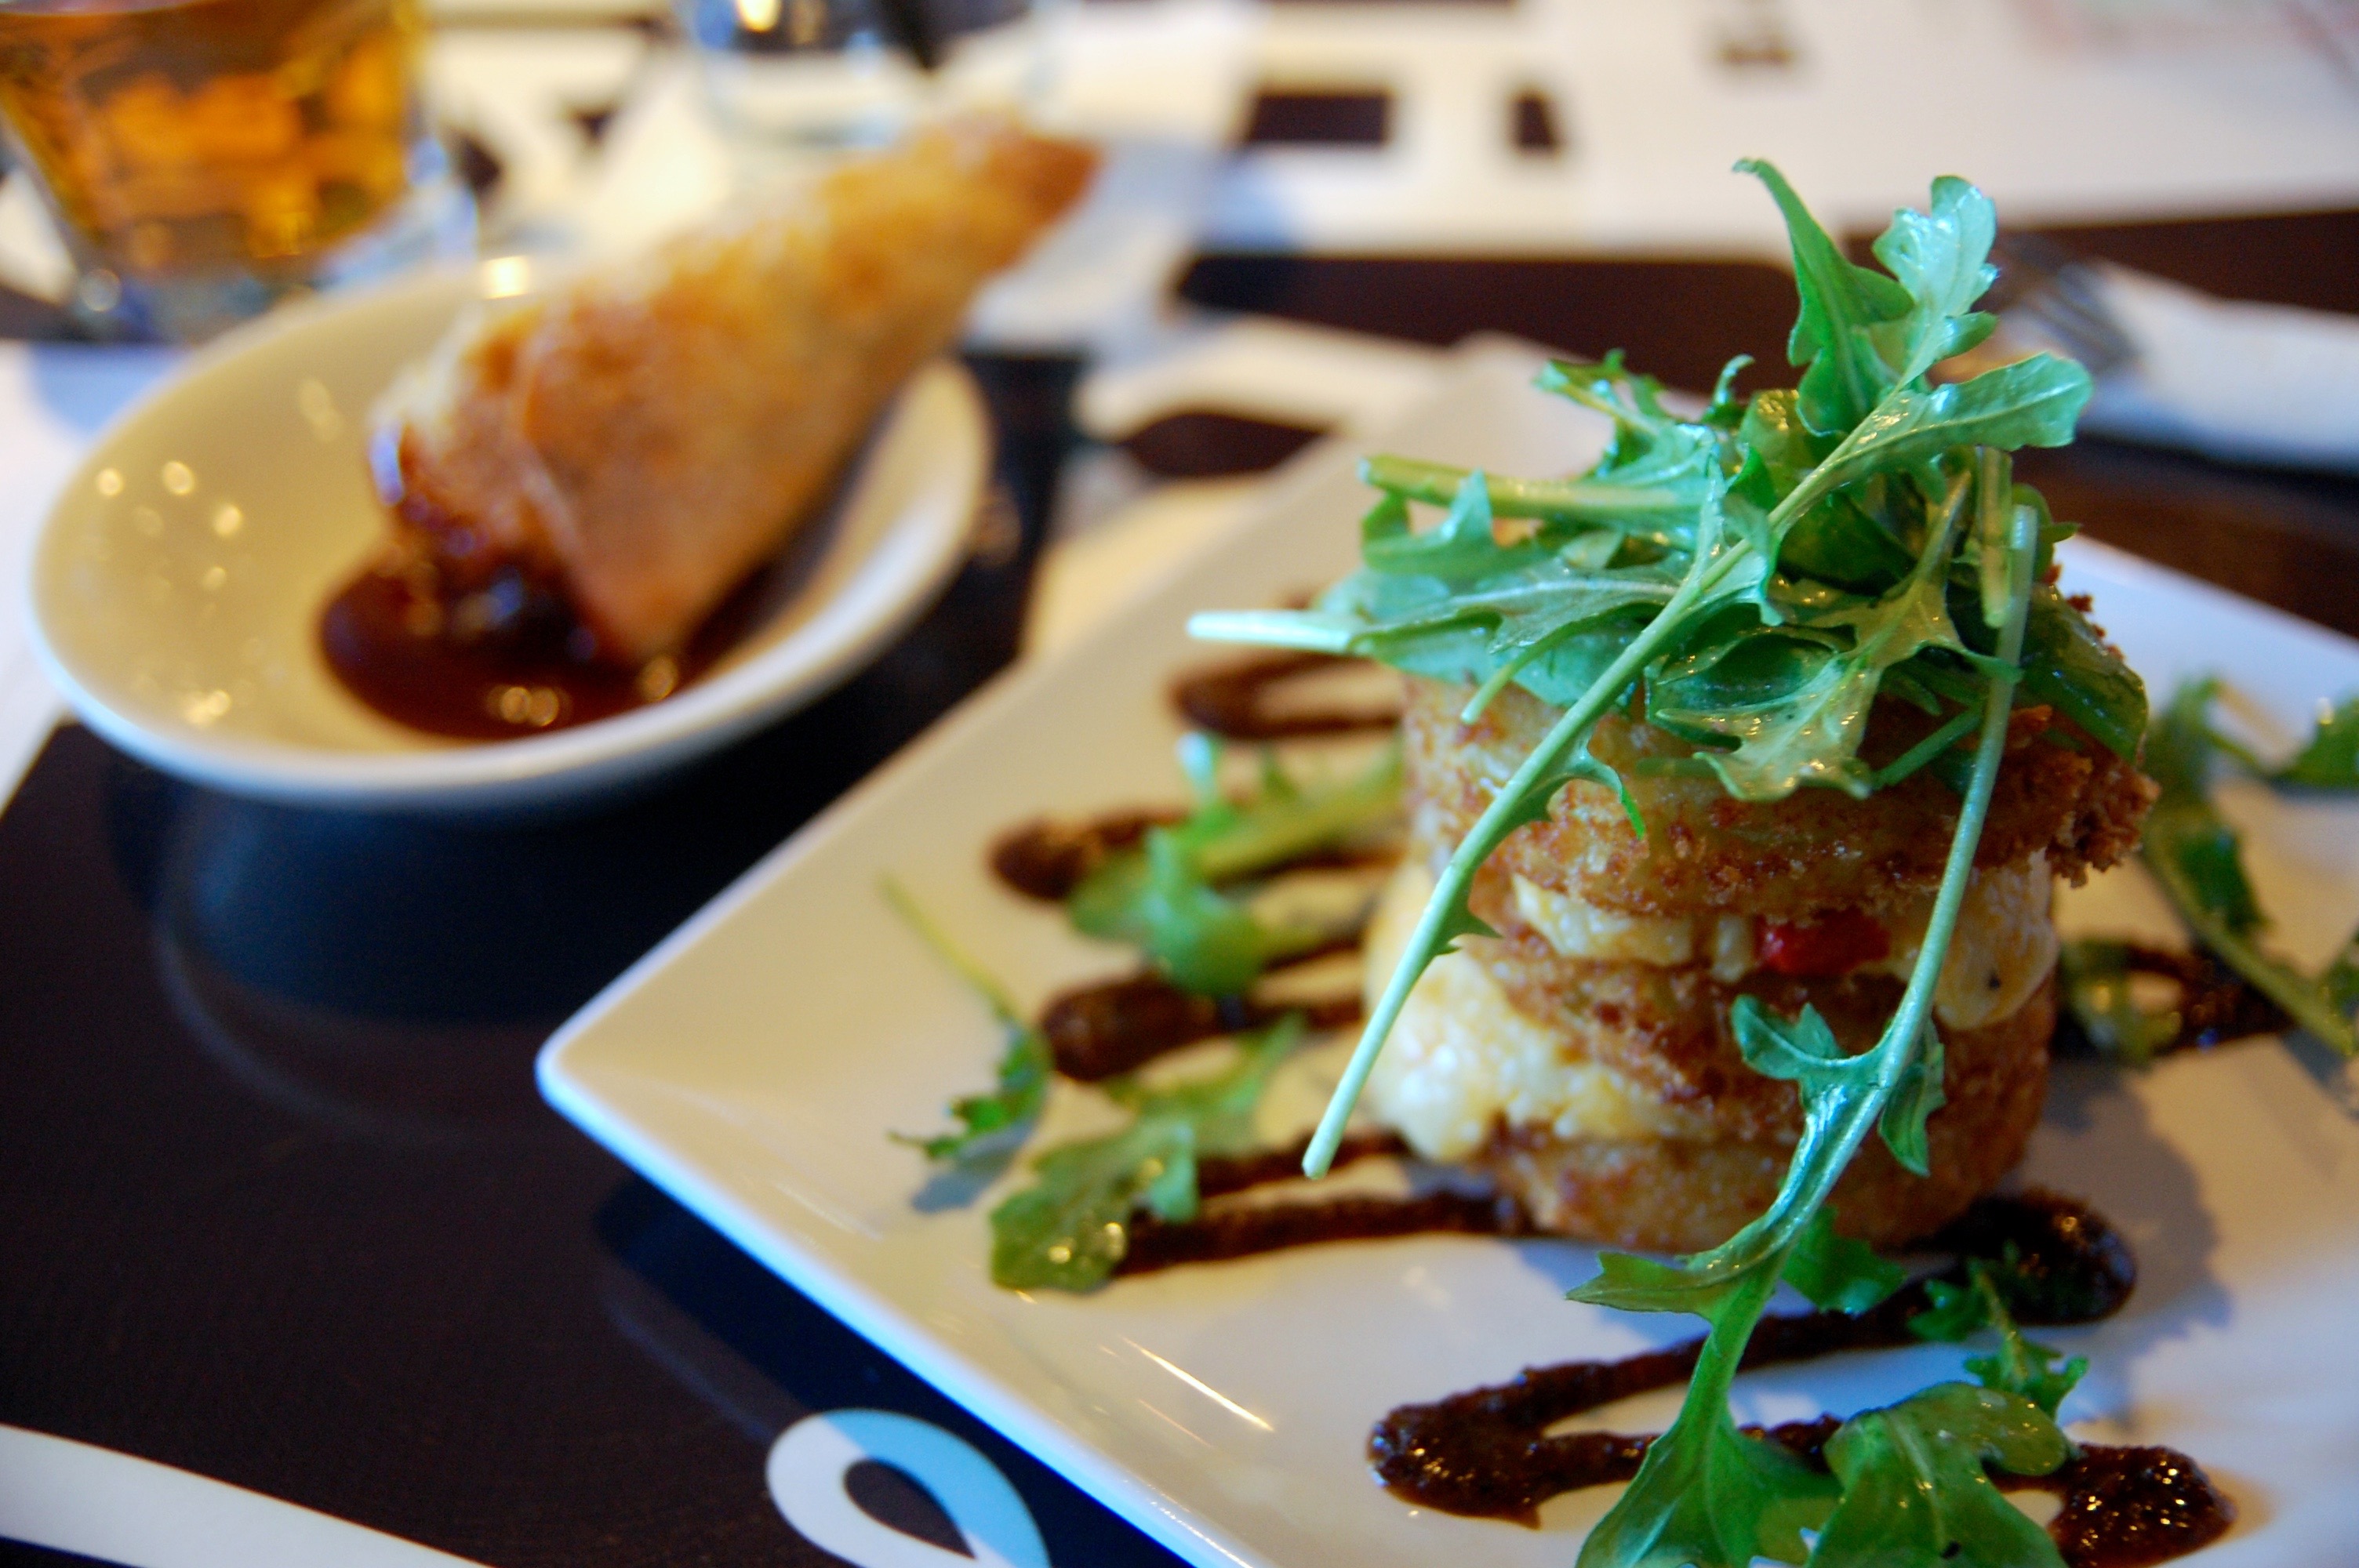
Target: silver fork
(2048, 298)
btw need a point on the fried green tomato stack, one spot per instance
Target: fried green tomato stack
(1583, 1057)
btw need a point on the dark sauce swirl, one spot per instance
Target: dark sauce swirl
(2126, 1508)
(2215, 1004)
(1488, 1452)
(1047, 860)
(1099, 1031)
(1242, 1231)
(1235, 700)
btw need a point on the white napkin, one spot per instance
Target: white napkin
(54, 397)
(2242, 382)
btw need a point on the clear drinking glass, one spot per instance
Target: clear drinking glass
(795, 77)
(205, 158)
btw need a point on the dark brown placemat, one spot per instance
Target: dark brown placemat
(280, 1204)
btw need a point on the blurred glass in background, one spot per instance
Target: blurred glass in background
(790, 78)
(206, 158)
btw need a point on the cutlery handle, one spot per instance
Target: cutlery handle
(73, 1497)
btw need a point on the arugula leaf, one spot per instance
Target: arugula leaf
(2096, 977)
(1651, 446)
(2198, 859)
(2031, 403)
(2018, 1365)
(1707, 1494)
(1025, 1065)
(2330, 758)
(1463, 550)
(1845, 308)
(1956, 1312)
(2021, 1367)
(1834, 541)
(1162, 897)
(1914, 1490)
(1837, 1273)
(1795, 700)
(2342, 978)
(1582, 501)
(2068, 665)
(1915, 1098)
(1069, 1228)
(1940, 257)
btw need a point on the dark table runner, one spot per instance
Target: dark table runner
(278, 1204)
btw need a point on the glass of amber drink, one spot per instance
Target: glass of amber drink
(205, 158)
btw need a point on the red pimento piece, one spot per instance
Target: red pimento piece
(1833, 945)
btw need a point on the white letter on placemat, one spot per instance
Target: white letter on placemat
(812, 1458)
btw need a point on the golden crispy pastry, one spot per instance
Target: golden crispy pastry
(640, 439)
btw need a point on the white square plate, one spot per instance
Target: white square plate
(752, 1063)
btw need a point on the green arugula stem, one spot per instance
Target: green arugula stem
(1026, 1065)
(1684, 1450)
(1826, 1151)
(1925, 750)
(2306, 1000)
(1731, 1284)
(2196, 856)
(1547, 499)
(978, 980)
(1274, 833)
(1508, 810)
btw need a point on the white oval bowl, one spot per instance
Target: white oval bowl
(178, 583)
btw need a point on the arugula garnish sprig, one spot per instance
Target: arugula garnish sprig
(1171, 895)
(994, 1122)
(1069, 1230)
(1707, 1493)
(1175, 897)
(2018, 1365)
(1913, 1477)
(2197, 857)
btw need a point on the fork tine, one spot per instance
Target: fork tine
(2046, 289)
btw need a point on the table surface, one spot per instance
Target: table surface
(279, 1205)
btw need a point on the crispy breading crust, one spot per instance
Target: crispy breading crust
(1706, 853)
(1683, 1195)
(1666, 1031)
(644, 435)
